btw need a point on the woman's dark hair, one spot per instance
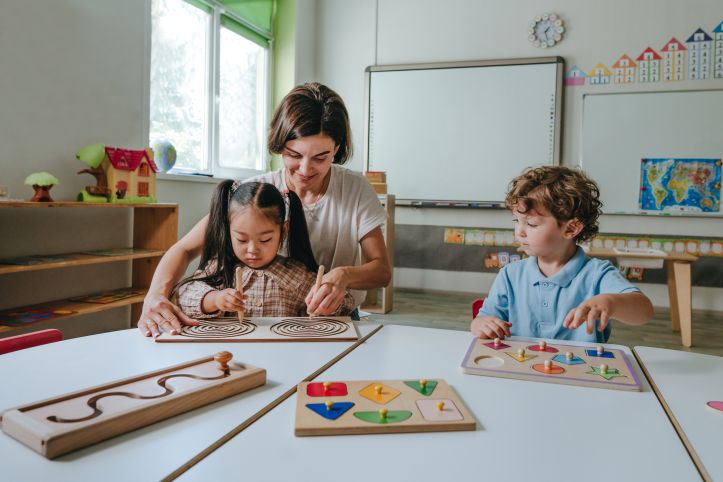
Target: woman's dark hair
(308, 110)
(217, 247)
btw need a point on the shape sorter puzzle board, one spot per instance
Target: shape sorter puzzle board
(552, 361)
(379, 406)
(58, 425)
(278, 329)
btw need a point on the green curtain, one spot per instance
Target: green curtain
(258, 13)
(244, 31)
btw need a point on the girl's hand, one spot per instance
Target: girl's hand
(229, 299)
(159, 314)
(490, 327)
(596, 308)
(330, 295)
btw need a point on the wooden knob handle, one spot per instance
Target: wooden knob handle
(222, 358)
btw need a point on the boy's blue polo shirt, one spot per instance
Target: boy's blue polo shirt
(537, 305)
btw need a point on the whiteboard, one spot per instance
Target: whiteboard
(457, 133)
(619, 130)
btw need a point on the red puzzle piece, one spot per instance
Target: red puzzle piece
(335, 389)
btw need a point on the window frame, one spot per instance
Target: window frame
(213, 82)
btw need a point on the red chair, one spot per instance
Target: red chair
(28, 340)
(476, 306)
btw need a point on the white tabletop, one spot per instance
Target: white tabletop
(687, 382)
(526, 430)
(152, 452)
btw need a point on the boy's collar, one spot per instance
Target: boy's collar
(564, 277)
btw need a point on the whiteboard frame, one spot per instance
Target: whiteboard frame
(640, 212)
(447, 203)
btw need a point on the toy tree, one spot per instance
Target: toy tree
(41, 182)
(93, 155)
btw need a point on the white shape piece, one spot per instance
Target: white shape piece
(430, 412)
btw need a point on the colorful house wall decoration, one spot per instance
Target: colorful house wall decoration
(599, 75)
(575, 76)
(699, 55)
(624, 70)
(673, 60)
(718, 51)
(648, 66)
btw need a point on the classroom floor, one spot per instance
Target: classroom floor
(453, 311)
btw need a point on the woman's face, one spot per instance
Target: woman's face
(308, 160)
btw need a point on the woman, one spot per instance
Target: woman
(310, 130)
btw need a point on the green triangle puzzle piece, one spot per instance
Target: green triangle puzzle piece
(426, 391)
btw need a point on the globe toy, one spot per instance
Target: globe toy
(164, 155)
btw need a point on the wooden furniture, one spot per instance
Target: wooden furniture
(680, 289)
(152, 452)
(629, 429)
(29, 340)
(685, 382)
(384, 302)
(65, 423)
(155, 229)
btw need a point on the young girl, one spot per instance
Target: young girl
(246, 227)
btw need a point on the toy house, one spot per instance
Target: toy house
(122, 175)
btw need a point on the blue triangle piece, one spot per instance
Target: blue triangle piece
(337, 410)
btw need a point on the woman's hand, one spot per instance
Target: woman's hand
(330, 295)
(229, 299)
(159, 314)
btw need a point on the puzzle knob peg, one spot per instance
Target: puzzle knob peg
(222, 358)
(542, 344)
(326, 385)
(383, 413)
(568, 355)
(496, 342)
(521, 353)
(423, 384)
(600, 350)
(548, 365)
(603, 369)
(329, 405)
(440, 406)
(378, 389)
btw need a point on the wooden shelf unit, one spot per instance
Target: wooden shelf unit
(383, 302)
(155, 229)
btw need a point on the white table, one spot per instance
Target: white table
(687, 381)
(526, 430)
(152, 452)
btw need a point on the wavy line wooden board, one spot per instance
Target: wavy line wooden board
(61, 424)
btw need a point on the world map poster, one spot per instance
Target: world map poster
(680, 185)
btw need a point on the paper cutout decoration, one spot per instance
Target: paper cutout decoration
(624, 70)
(699, 55)
(575, 77)
(599, 75)
(673, 60)
(648, 66)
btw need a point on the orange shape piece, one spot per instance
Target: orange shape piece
(387, 393)
(553, 370)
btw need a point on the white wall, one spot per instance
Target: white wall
(352, 34)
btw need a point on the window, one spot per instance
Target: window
(209, 85)
(143, 171)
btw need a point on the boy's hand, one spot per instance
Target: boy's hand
(596, 308)
(490, 327)
(229, 299)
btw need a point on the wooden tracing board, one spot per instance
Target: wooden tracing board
(552, 361)
(379, 406)
(58, 425)
(255, 330)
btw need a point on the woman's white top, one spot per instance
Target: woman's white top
(348, 211)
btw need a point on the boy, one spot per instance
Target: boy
(558, 288)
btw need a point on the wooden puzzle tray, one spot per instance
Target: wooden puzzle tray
(552, 361)
(58, 425)
(256, 330)
(379, 406)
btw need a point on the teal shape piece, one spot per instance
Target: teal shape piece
(336, 411)
(575, 360)
(393, 416)
(609, 375)
(426, 391)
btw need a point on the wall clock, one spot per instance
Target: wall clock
(546, 30)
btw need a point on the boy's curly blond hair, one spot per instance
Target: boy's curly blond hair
(565, 193)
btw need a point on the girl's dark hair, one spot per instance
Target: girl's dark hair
(217, 247)
(308, 110)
